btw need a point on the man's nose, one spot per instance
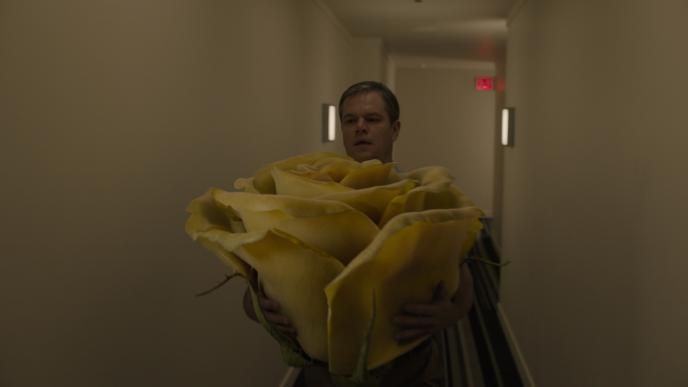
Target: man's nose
(361, 125)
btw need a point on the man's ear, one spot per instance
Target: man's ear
(396, 128)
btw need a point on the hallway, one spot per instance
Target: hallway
(114, 115)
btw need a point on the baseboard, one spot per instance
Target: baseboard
(471, 367)
(521, 364)
(290, 377)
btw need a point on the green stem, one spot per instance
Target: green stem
(214, 288)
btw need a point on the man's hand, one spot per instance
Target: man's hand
(271, 311)
(421, 320)
(271, 308)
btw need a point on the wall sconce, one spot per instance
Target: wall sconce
(329, 122)
(508, 127)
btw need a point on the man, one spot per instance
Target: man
(369, 116)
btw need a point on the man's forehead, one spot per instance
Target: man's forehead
(369, 98)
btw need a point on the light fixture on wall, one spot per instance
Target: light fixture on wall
(508, 127)
(329, 122)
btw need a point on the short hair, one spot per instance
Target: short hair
(391, 103)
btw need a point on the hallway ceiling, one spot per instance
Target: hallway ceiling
(457, 29)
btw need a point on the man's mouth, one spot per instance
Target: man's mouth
(362, 142)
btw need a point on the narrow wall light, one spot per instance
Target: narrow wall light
(329, 123)
(508, 127)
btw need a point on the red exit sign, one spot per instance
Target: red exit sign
(483, 83)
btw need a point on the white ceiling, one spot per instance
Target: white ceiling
(461, 29)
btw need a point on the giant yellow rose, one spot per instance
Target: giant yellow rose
(341, 245)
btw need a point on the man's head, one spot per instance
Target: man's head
(369, 115)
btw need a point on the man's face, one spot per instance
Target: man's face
(366, 128)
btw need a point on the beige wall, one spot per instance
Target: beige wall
(595, 190)
(445, 121)
(370, 59)
(113, 116)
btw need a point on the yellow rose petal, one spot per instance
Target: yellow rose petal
(295, 275)
(207, 219)
(263, 180)
(372, 201)
(331, 226)
(336, 168)
(288, 183)
(371, 173)
(404, 264)
(435, 191)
